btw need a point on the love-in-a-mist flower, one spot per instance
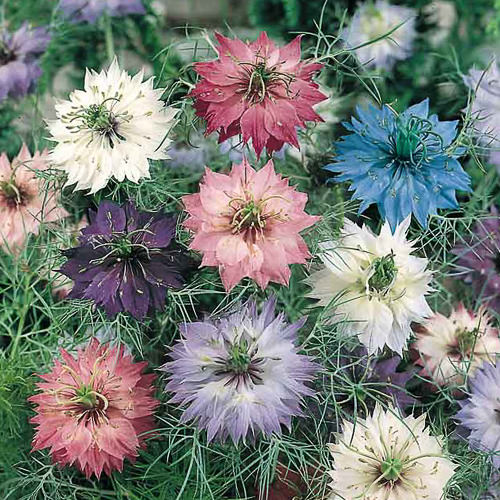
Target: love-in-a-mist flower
(247, 223)
(26, 201)
(373, 20)
(91, 10)
(479, 413)
(402, 163)
(126, 260)
(19, 55)
(241, 375)
(388, 457)
(94, 410)
(258, 90)
(373, 284)
(479, 260)
(111, 129)
(451, 347)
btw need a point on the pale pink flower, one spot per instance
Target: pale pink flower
(247, 223)
(25, 201)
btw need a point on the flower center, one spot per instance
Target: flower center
(239, 360)
(248, 216)
(13, 195)
(383, 272)
(123, 247)
(99, 119)
(465, 342)
(87, 397)
(391, 468)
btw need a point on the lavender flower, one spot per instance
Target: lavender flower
(480, 411)
(91, 10)
(240, 375)
(480, 260)
(126, 260)
(19, 53)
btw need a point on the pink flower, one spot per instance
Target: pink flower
(93, 410)
(258, 90)
(24, 203)
(247, 223)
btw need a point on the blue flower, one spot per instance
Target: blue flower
(403, 163)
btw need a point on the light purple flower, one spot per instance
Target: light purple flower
(481, 411)
(240, 375)
(19, 53)
(91, 10)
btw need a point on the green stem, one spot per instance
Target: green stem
(22, 318)
(108, 36)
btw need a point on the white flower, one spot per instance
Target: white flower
(443, 15)
(374, 284)
(372, 21)
(110, 129)
(386, 457)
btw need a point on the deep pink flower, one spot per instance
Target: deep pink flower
(93, 411)
(258, 90)
(247, 223)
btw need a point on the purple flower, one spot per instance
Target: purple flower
(240, 375)
(126, 260)
(480, 412)
(480, 260)
(19, 53)
(91, 10)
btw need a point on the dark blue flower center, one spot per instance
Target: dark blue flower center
(123, 246)
(383, 273)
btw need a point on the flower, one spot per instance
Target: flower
(240, 375)
(442, 15)
(375, 20)
(19, 53)
(479, 258)
(258, 90)
(24, 200)
(485, 86)
(126, 260)
(91, 10)
(374, 283)
(110, 129)
(452, 346)
(402, 162)
(479, 412)
(387, 457)
(247, 223)
(93, 410)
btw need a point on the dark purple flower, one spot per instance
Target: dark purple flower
(240, 375)
(91, 10)
(126, 260)
(479, 259)
(19, 53)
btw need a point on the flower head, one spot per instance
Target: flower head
(480, 411)
(247, 223)
(240, 375)
(455, 345)
(110, 129)
(402, 162)
(126, 260)
(24, 203)
(93, 410)
(374, 283)
(479, 258)
(387, 457)
(91, 10)
(258, 90)
(374, 20)
(19, 53)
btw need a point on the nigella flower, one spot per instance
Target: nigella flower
(91, 10)
(388, 457)
(25, 202)
(126, 260)
(374, 20)
(247, 223)
(480, 411)
(93, 410)
(374, 284)
(240, 375)
(453, 346)
(110, 129)
(403, 163)
(258, 90)
(19, 54)
(479, 258)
